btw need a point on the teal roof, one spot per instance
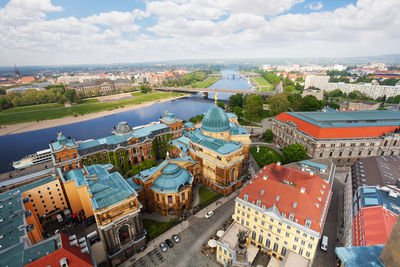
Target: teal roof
(189, 125)
(109, 188)
(61, 142)
(171, 178)
(238, 130)
(181, 143)
(135, 186)
(41, 249)
(170, 117)
(215, 120)
(37, 183)
(145, 132)
(350, 118)
(13, 256)
(231, 115)
(360, 256)
(217, 145)
(77, 175)
(372, 196)
(314, 164)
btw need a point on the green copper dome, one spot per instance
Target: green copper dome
(215, 120)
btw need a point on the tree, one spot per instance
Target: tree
(294, 152)
(310, 103)
(271, 78)
(71, 96)
(238, 111)
(288, 88)
(145, 88)
(220, 104)
(278, 103)
(253, 105)
(333, 105)
(235, 101)
(268, 135)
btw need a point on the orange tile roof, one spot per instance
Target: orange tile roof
(373, 225)
(73, 254)
(287, 183)
(27, 79)
(335, 132)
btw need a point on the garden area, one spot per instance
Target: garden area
(156, 228)
(207, 196)
(266, 155)
(265, 86)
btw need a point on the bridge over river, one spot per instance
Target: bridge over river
(205, 91)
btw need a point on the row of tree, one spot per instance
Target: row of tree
(286, 101)
(187, 79)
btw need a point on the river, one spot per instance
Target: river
(16, 146)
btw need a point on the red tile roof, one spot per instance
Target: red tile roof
(288, 183)
(335, 132)
(27, 79)
(73, 254)
(374, 225)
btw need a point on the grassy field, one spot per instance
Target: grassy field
(155, 228)
(206, 83)
(265, 156)
(42, 112)
(265, 86)
(207, 196)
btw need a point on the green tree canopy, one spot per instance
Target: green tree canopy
(71, 96)
(294, 152)
(145, 88)
(310, 103)
(278, 103)
(271, 78)
(235, 101)
(253, 104)
(268, 135)
(238, 111)
(288, 88)
(220, 104)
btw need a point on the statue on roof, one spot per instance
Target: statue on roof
(166, 112)
(216, 98)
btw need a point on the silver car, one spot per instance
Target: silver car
(163, 246)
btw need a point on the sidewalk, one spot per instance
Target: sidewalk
(179, 228)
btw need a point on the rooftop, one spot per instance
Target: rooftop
(215, 120)
(61, 142)
(217, 145)
(360, 256)
(171, 179)
(373, 196)
(292, 192)
(229, 238)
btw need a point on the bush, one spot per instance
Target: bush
(265, 156)
(268, 135)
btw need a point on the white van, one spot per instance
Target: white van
(324, 243)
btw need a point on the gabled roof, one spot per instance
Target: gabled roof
(292, 191)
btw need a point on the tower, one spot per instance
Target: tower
(16, 73)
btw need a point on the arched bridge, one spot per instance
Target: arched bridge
(205, 91)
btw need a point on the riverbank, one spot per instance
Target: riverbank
(38, 125)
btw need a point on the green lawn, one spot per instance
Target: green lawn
(207, 196)
(155, 228)
(265, 86)
(265, 156)
(56, 112)
(206, 83)
(32, 108)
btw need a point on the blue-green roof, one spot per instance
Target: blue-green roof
(77, 175)
(189, 125)
(217, 145)
(360, 256)
(41, 249)
(238, 130)
(215, 120)
(109, 188)
(372, 196)
(181, 143)
(171, 178)
(350, 118)
(62, 141)
(231, 115)
(135, 186)
(170, 117)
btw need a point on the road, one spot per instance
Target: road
(328, 259)
(188, 251)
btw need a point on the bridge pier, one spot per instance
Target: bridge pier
(204, 94)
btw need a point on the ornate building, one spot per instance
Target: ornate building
(167, 188)
(220, 147)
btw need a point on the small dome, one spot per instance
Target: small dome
(215, 120)
(171, 178)
(122, 128)
(189, 125)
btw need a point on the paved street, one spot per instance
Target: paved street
(188, 251)
(328, 259)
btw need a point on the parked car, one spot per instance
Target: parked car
(169, 243)
(175, 238)
(324, 243)
(209, 214)
(163, 247)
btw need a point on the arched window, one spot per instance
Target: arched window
(233, 175)
(123, 234)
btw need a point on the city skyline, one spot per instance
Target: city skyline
(45, 32)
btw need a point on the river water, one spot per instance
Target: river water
(16, 146)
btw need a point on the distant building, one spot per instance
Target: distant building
(103, 86)
(23, 89)
(28, 79)
(344, 136)
(371, 90)
(359, 105)
(319, 94)
(284, 209)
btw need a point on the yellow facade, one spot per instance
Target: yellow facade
(78, 198)
(275, 234)
(46, 198)
(35, 234)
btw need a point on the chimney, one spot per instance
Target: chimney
(302, 190)
(265, 177)
(278, 163)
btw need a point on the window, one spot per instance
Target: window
(307, 254)
(340, 153)
(301, 251)
(311, 237)
(247, 223)
(287, 234)
(280, 223)
(330, 154)
(253, 235)
(288, 227)
(359, 153)
(169, 199)
(332, 145)
(183, 196)
(255, 219)
(294, 247)
(297, 232)
(303, 242)
(276, 246)
(352, 144)
(283, 251)
(278, 230)
(296, 239)
(349, 153)
(321, 155)
(271, 220)
(309, 245)
(267, 243)
(260, 239)
(270, 227)
(304, 234)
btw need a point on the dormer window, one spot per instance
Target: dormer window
(322, 191)
(258, 202)
(308, 223)
(291, 216)
(323, 186)
(246, 197)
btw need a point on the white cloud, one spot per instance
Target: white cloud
(316, 6)
(196, 29)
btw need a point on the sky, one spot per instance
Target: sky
(62, 32)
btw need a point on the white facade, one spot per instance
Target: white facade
(371, 90)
